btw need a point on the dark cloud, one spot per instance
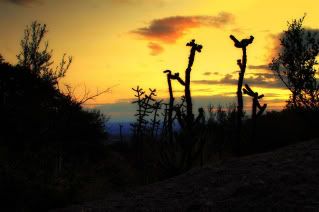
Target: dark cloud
(262, 67)
(138, 2)
(22, 2)
(264, 80)
(207, 73)
(155, 48)
(170, 29)
(202, 90)
(227, 79)
(124, 111)
(124, 1)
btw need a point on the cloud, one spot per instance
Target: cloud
(137, 2)
(22, 2)
(155, 48)
(125, 1)
(257, 67)
(169, 29)
(208, 73)
(264, 80)
(124, 110)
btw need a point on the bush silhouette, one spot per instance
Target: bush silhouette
(295, 65)
(36, 56)
(46, 137)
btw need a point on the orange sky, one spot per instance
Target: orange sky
(125, 43)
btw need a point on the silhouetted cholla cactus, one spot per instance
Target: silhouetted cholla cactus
(155, 121)
(190, 135)
(171, 77)
(185, 120)
(242, 65)
(139, 94)
(256, 105)
(147, 106)
(189, 106)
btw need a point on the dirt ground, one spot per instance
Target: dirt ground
(283, 180)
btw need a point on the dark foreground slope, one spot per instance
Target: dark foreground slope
(286, 179)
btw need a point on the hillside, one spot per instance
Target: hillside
(286, 179)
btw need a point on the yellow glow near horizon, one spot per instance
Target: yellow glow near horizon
(98, 34)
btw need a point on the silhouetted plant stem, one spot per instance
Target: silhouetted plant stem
(170, 106)
(185, 118)
(121, 135)
(240, 106)
(171, 77)
(140, 119)
(256, 105)
(165, 122)
(189, 106)
(146, 107)
(155, 123)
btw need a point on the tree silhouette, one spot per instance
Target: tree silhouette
(36, 56)
(295, 65)
(45, 131)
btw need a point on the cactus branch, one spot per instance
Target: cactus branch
(189, 106)
(242, 66)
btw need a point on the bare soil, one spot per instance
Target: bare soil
(282, 180)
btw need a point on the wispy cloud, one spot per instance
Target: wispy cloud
(23, 2)
(259, 67)
(124, 110)
(125, 1)
(155, 48)
(208, 73)
(138, 2)
(169, 29)
(264, 80)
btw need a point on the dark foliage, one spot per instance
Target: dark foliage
(277, 129)
(295, 65)
(36, 56)
(44, 136)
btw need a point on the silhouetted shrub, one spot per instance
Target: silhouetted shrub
(295, 65)
(46, 139)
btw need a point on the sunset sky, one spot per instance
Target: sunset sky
(125, 43)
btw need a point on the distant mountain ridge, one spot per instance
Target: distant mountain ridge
(113, 128)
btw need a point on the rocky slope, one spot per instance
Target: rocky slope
(286, 179)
